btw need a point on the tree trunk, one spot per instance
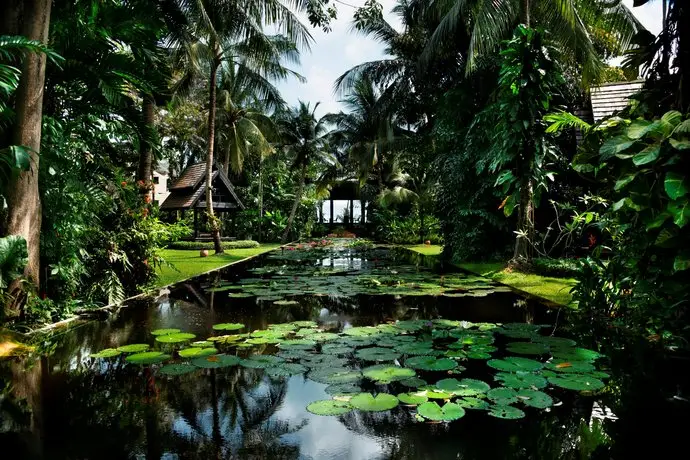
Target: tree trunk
(525, 12)
(213, 220)
(683, 58)
(23, 200)
(261, 198)
(298, 199)
(144, 172)
(522, 256)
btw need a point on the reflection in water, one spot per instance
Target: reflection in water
(65, 405)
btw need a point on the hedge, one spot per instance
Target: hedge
(199, 245)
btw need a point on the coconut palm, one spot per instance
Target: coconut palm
(305, 138)
(231, 31)
(571, 23)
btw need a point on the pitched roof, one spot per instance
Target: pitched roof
(612, 97)
(185, 196)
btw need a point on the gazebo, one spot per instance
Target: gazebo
(189, 192)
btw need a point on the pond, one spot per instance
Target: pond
(344, 351)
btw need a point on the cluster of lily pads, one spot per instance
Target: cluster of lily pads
(430, 366)
(299, 272)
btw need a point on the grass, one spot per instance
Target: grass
(187, 263)
(556, 290)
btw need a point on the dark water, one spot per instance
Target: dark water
(65, 405)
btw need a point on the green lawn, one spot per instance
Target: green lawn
(188, 263)
(554, 289)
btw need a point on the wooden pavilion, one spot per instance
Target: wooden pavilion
(189, 192)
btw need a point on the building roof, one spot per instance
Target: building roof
(188, 190)
(610, 98)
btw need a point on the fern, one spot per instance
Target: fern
(565, 120)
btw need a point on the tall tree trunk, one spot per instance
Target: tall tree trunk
(23, 200)
(144, 171)
(683, 59)
(261, 197)
(522, 256)
(525, 12)
(298, 199)
(213, 220)
(226, 160)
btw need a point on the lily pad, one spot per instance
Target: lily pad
(554, 341)
(228, 326)
(520, 380)
(335, 349)
(534, 398)
(107, 353)
(261, 361)
(502, 396)
(415, 348)
(361, 331)
(294, 344)
(377, 354)
(430, 363)
(286, 370)
(577, 382)
(342, 389)
(515, 364)
(472, 403)
(575, 354)
(446, 413)
(195, 352)
(413, 382)
(216, 361)
(329, 407)
(164, 331)
(370, 403)
(464, 387)
(527, 348)
(147, 357)
(134, 348)
(413, 399)
(177, 369)
(570, 367)
(432, 392)
(383, 373)
(175, 338)
(506, 412)
(202, 344)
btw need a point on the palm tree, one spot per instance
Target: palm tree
(571, 24)
(222, 31)
(244, 97)
(305, 138)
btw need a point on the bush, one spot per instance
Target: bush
(199, 245)
(558, 268)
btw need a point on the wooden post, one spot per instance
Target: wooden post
(352, 213)
(331, 216)
(196, 225)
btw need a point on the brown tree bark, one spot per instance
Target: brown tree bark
(683, 58)
(23, 200)
(522, 255)
(298, 199)
(145, 171)
(213, 221)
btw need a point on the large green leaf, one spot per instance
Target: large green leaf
(387, 373)
(675, 185)
(446, 413)
(614, 146)
(329, 407)
(13, 258)
(367, 402)
(647, 155)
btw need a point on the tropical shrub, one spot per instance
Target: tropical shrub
(392, 226)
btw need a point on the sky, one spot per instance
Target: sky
(335, 52)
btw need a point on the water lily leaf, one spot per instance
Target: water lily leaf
(502, 396)
(134, 348)
(202, 344)
(304, 323)
(515, 364)
(376, 354)
(228, 326)
(416, 348)
(177, 337)
(177, 369)
(329, 407)
(285, 302)
(446, 413)
(456, 354)
(445, 323)
(216, 361)
(575, 354)
(464, 387)
(320, 336)
(196, 352)
(430, 363)
(367, 402)
(261, 361)
(527, 348)
(297, 344)
(107, 353)
(534, 398)
(472, 403)
(506, 412)
(554, 341)
(147, 357)
(466, 337)
(362, 331)
(342, 389)
(240, 295)
(520, 380)
(164, 331)
(413, 399)
(413, 382)
(325, 361)
(478, 355)
(357, 342)
(577, 382)
(286, 370)
(383, 373)
(335, 349)
(598, 375)
(576, 367)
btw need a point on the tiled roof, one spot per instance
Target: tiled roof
(612, 97)
(190, 177)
